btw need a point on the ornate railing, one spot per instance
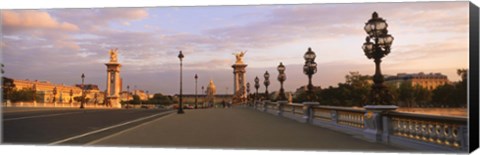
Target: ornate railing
(382, 124)
(353, 119)
(340, 116)
(440, 130)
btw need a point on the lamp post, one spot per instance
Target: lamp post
(257, 85)
(266, 83)
(180, 108)
(203, 93)
(281, 77)
(128, 95)
(309, 69)
(376, 29)
(83, 92)
(196, 77)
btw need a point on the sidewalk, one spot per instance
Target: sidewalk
(237, 128)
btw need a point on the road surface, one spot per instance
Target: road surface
(58, 126)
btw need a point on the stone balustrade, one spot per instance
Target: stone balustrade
(382, 124)
(440, 131)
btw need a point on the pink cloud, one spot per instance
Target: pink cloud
(67, 44)
(34, 19)
(97, 20)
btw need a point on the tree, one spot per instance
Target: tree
(422, 96)
(7, 88)
(452, 95)
(160, 99)
(443, 95)
(406, 94)
(413, 96)
(461, 88)
(23, 95)
(359, 87)
(135, 100)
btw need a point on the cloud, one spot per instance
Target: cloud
(98, 19)
(32, 19)
(211, 64)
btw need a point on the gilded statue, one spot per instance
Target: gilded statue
(113, 55)
(239, 57)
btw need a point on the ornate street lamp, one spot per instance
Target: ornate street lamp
(266, 83)
(180, 108)
(281, 77)
(196, 77)
(83, 92)
(309, 69)
(257, 85)
(376, 29)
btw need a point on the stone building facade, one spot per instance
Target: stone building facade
(44, 91)
(429, 81)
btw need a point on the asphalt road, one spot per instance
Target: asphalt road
(59, 126)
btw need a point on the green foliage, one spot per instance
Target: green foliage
(23, 95)
(135, 100)
(353, 92)
(7, 88)
(443, 95)
(356, 90)
(161, 99)
(413, 96)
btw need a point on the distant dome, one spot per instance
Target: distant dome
(212, 87)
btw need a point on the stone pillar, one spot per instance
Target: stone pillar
(374, 123)
(239, 84)
(334, 115)
(280, 105)
(308, 111)
(265, 105)
(113, 81)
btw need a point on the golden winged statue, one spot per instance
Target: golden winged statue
(239, 57)
(113, 55)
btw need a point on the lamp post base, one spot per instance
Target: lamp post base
(308, 111)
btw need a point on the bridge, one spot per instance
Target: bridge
(264, 125)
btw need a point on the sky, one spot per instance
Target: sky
(58, 45)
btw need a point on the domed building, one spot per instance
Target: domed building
(211, 91)
(208, 97)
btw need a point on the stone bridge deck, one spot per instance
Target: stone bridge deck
(237, 128)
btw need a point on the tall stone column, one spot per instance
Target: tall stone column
(239, 83)
(113, 81)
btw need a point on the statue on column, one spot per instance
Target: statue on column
(113, 55)
(239, 57)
